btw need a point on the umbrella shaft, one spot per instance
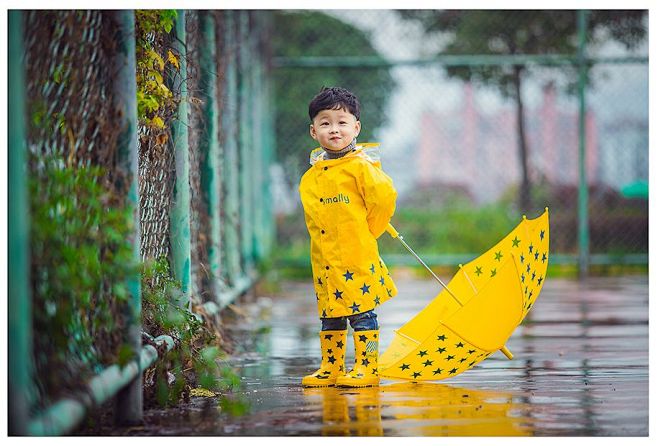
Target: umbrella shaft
(428, 269)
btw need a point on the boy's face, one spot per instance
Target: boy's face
(335, 129)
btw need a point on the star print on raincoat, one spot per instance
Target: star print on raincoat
(348, 202)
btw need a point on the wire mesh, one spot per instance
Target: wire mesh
(451, 127)
(70, 127)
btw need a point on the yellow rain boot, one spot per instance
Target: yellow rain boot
(364, 373)
(332, 343)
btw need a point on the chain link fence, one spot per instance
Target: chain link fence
(478, 116)
(71, 128)
(80, 240)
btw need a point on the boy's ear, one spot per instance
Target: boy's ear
(312, 131)
(358, 127)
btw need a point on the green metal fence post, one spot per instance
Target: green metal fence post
(20, 305)
(268, 133)
(179, 217)
(230, 169)
(246, 148)
(583, 222)
(129, 403)
(209, 145)
(259, 179)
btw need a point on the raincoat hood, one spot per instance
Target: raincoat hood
(369, 151)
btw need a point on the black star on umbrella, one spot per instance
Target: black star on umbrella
(515, 242)
(417, 374)
(428, 363)
(319, 281)
(522, 258)
(381, 280)
(355, 308)
(441, 350)
(404, 366)
(493, 272)
(533, 275)
(363, 338)
(460, 345)
(365, 289)
(541, 235)
(331, 359)
(389, 292)
(470, 352)
(372, 268)
(422, 353)
(438, 371)
(536, 255)
(463, 359)
(339, 344)
(471, 364)
(478, 270)
(449, 357)
(330, 351)
(377, 300)
(499, 255)
(328, 336)
(543, 257)
(527, 270)
(453, 371)
(530, 249)
(324, 313)
(338, 294)
(348, 275)
(365, 362)
(539, 280)
(441, 338)
(522, 278)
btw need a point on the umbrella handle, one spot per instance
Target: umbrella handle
(395, 234)
(391, 230)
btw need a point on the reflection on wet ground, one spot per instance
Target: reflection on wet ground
(580, 369)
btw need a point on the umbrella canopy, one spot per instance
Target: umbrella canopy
(493, 293)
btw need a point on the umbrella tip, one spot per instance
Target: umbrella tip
(524, 217)
(546, 208)
(461, 266)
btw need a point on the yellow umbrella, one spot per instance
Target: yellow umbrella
(476, 312)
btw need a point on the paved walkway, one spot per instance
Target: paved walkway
(580, 369)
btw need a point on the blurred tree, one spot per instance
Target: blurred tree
(309, 33)
(508, 32)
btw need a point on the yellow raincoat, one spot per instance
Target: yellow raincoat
(348, 203)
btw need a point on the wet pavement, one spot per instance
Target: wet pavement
(580, 368)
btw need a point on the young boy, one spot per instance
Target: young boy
(348, 201)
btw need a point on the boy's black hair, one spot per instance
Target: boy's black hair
(334, 98)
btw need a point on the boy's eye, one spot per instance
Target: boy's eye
(343, 122)
(324, 123)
